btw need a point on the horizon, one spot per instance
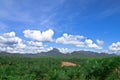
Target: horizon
(28, 26)
(59, 51)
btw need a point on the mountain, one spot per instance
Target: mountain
(90, 54)
(55, 52)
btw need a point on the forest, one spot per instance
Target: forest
(49, 68)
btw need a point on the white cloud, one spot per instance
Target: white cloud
(38, 35)
(9, 38)
(34, 47)
(115, 47)
(35, 43)
(50, 48)
(79, 41)
(10, 43)
(70, 39)
(90, 44)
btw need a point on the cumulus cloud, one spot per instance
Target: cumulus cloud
(115, 47)
(79, 41)
(50, 48)
(38, 35)
(9, 42)
(70, 39)
(90, 44)
(10, 39)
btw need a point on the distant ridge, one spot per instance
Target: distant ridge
(55, 52)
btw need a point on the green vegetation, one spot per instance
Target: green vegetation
(21, 68)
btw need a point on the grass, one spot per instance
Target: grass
(49, 68)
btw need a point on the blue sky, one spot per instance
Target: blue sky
(63, 21)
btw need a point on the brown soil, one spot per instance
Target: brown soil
(67, 64)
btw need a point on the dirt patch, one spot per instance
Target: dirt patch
(67, 64)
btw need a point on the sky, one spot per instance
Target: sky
(33, 26)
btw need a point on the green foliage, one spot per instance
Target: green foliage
(49, 68)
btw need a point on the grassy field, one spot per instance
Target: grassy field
(44, 68)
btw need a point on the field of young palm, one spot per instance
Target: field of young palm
(49, 68)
